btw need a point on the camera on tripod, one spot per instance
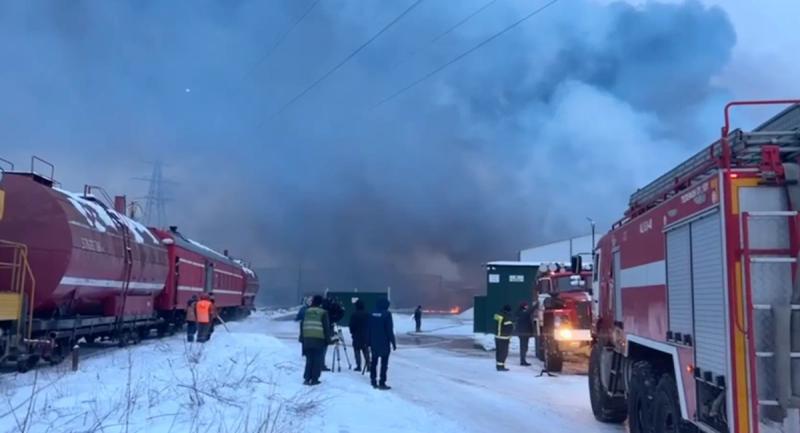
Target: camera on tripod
(339, 344)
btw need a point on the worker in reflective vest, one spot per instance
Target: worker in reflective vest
(315, 335)
(191, 319)
(502, 338)
(205, 314)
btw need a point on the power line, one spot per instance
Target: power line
(283, 36)
(447, 32)
(343, 62)
(464, 54)
(463, 21)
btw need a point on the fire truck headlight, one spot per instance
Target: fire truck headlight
(565, 334)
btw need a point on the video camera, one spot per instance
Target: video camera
(334, 309)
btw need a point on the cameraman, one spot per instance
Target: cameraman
(335, 314)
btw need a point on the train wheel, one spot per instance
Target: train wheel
(26, 363)
(605, 408)
(123, 338)
(641, 391)
(58, 353)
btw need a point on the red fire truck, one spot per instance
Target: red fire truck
(564, 315)
(698, 324)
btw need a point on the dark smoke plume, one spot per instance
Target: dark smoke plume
(515, 145)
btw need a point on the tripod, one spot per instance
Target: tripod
(337, 356)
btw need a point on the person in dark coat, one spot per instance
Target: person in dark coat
(315, 336)
(502, 337)
(359, 330)
(524, 330)
(418, 318)
(302, 311)
(381, 339)
(191, 319)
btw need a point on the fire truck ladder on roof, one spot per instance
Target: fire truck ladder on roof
(774, 305)
(745, 151)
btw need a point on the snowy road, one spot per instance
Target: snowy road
(442, 371)
(249, 380)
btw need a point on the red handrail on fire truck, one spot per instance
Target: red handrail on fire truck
(698, 323)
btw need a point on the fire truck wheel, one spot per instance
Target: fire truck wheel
(553, 361)
(641, 391)
(605, 408)
(667, 416)
(539, 348)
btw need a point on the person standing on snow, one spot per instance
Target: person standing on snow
(418, 318)
(315, 337)
(381, 338)
(359, 330)
(524, 330)
(191, 319)
(503, 336)
(205, 314)
(302, 311)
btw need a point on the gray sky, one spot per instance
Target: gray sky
(516, 144)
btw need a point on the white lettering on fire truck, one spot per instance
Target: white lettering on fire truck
(646, 226)
(694, 193)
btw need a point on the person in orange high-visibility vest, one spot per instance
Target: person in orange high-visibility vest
(204, 312)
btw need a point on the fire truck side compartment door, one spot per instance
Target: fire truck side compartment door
(679, 281)
(710, 320)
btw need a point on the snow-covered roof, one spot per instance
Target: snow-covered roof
(559, 251)
(208, 249)
(508, 263)
(99, 217)
(245, 268)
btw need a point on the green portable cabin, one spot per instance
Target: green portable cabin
(509, 283)
(479, 314)
(348, 300)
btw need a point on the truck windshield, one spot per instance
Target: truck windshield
(564, 284)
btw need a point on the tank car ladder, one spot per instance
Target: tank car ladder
(16, 306)
(127, 274)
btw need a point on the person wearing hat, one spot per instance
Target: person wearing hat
(524, 330)
(315, 335)
(204, 310)
(502, 338)
(191, 319)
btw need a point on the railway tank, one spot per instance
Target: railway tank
(87, 258)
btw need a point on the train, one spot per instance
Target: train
(74, 266)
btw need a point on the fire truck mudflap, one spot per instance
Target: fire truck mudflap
(698, 309)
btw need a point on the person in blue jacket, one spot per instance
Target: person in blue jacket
(381, 338)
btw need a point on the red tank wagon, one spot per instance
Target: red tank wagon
(73, 267)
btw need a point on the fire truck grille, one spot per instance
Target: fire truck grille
(584, 311)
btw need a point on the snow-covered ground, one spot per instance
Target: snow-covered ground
(249, 380)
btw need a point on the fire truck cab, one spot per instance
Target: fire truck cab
(698, 321)
(564, 313)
